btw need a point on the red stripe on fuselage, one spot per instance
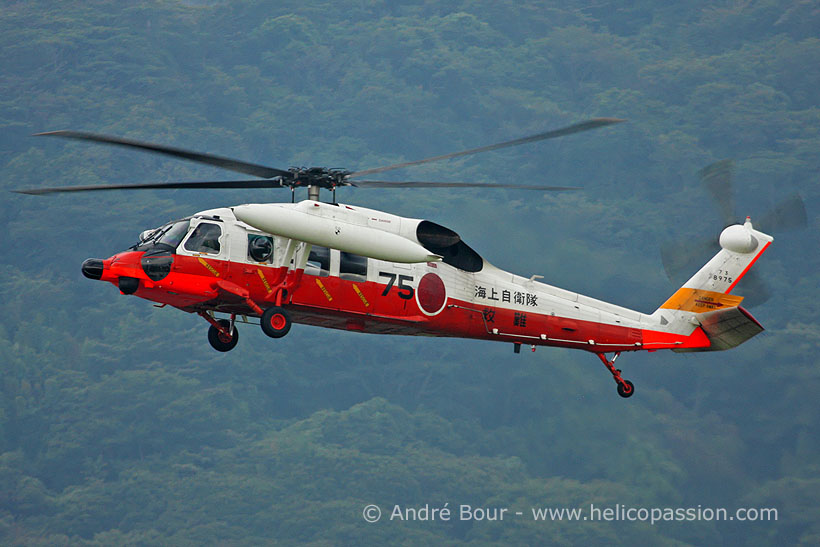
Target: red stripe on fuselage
(191, 286)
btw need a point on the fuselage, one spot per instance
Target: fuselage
(215, 263)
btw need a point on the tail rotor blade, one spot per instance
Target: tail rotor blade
(789, 214)
(683, 258)
(753, 289)
(717, 179)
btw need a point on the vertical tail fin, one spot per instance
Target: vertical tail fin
(709, 289)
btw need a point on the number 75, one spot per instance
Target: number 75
(405, 291)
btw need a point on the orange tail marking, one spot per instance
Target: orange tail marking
(700, 300)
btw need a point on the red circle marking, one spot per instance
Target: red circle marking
(431, 293)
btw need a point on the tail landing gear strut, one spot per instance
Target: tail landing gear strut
(625, 387)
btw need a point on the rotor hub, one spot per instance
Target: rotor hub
(321, 177)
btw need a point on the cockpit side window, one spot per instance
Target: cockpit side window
(204, 239)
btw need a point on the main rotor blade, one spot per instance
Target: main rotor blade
(209, 159)
(789, 214)
(575, 128)
(717, 179)
(257, 183)
(429, 184)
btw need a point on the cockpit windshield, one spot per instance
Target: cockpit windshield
(165, 237)
(174, 234)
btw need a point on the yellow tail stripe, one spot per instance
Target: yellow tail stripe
(700, 300)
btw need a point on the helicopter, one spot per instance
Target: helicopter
(348, 267)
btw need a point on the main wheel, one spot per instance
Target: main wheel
(626, 389)
(276, 322)
(221, 341)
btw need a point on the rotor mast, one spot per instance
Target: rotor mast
(317, 178)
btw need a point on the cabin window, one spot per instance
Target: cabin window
(204, 239)
(318, 261)
(353, 267)
(260, 248)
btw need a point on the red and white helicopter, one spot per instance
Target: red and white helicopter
(348, 267)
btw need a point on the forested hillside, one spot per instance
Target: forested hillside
(120, 425)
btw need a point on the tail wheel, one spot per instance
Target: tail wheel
(276, 322)
(221, 341)
(626, 389)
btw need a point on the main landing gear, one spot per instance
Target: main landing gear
(625, 387)
(276, 322)
(223, 336)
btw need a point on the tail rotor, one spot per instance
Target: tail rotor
(681, 257)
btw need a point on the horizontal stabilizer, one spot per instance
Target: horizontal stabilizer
(726, 328)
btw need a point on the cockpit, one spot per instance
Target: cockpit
(204, 239)
(167, 237)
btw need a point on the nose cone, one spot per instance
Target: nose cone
(93, 268)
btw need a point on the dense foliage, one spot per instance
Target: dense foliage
(119, 424)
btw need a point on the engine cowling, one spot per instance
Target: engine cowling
(355, 230)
